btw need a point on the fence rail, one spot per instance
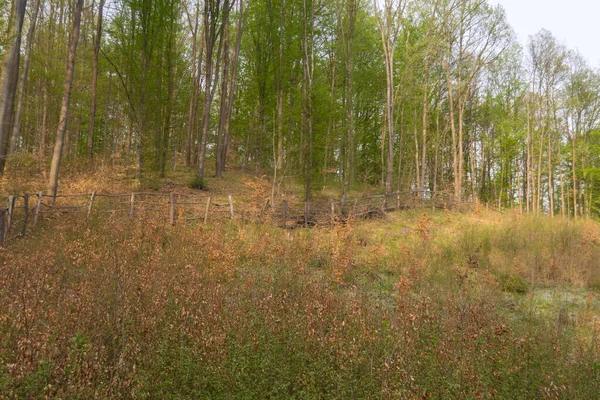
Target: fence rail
(23, 212)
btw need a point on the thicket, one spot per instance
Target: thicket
(421, 305)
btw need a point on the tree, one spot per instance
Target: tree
(97, 42)
(8, 80)
(389, 22)
(23, 80)
(64, 112)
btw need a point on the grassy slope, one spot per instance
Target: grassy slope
(419, 304)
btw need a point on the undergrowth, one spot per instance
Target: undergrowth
(412, 307)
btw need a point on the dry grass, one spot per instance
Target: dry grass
(410, 307)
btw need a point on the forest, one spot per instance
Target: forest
(295, 199)
(423, 95)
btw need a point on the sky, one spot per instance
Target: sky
(573, 23)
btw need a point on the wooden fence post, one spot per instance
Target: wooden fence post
(26, 205)
(37, 210)
(172, 209)
(332, 213)
(11, 206)
(206, 212)
(306, 213)
(91, 204)
(231, 206)
(132, 205)
(354, 208)
(2, 215)
(285, 208)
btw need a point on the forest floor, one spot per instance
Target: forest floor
(417, 304)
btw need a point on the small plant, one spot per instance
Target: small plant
(197, 183)
(513, 283)
(594, 284)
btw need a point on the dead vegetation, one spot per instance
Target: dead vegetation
(419, 305)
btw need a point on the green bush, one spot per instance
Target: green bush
(197, 183)
(513, 283)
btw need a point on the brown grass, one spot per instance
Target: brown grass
(407, 308)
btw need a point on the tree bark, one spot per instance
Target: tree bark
(64, 112)
(8, 80)
(212, 11)
(97, 42)
(223, 108)
(22, 82)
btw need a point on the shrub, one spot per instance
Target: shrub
(197, 183)
(513, 283)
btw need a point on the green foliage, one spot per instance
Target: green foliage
(197, 182)
(513, 283)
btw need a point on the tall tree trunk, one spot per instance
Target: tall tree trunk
(550, 179)
(8, 80)
(97, 42)
(349, 167)
(223, 108)
(308, 62)
(64, 112)
(23, 80)
(193, 107)
(212, 11)
(424, 139)
(280, 91)
(388, 28)
(574, 174)
(457, 183)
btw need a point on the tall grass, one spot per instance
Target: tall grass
(411, 308)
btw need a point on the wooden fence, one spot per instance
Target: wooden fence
(23, 212)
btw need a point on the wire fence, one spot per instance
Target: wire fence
(22, 213)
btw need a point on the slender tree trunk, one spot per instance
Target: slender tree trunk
(223, 109)
(349, 167)
(23, 80)
(573, 170)
(8, 80)
(457, 183)
(107, 119)
(64, 112)
(280, 91)
(233, 80)
(424, 138)
(550, 179)
(97, 42)
(193, 108)
(212, 10)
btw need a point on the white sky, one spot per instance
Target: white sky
(574, 23)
